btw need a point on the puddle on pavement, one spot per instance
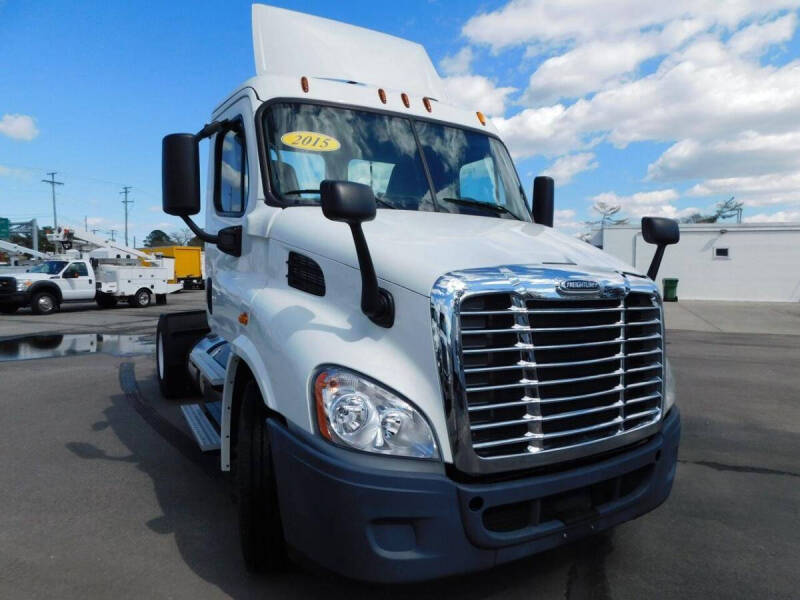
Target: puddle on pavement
(31, 347)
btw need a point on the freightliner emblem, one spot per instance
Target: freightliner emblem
(578, 286)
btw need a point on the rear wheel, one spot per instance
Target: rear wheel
(140, 299)
(44, 303)
(260, 527)
(8, 309)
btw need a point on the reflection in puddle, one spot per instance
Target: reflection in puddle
(68, 344)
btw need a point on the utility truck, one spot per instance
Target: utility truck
(87, 268)
(409, 373)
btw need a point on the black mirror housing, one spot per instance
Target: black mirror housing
(347, 201)
(180, 174)
(354, 203)
(659, 230)
(543, 200)
(662, 232)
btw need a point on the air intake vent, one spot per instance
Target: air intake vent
(305, 274)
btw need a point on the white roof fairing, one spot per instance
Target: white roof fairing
(290, 43)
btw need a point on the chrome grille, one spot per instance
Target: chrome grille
(550, 374)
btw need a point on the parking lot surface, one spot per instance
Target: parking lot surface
(105, 494)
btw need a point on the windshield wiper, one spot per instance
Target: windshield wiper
(478, 204)
(292, 192)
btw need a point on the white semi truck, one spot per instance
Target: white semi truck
(409, 372)
(88, 268)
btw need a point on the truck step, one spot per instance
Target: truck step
(214, 410)
(204, 432)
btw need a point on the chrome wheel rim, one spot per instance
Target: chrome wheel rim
(45, 303)
(160, 356)
(143, 299)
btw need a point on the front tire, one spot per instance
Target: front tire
(44, 303)
(176, 335)
(260, 528)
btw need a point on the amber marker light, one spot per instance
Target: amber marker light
(322, 420)
(427, 102)
(304, 83)
(244, 318)
(406, 101)
(481, 118)
(382, 95)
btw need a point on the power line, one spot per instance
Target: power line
(53, 183)
(125, 203)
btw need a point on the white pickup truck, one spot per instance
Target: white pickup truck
(47, 285)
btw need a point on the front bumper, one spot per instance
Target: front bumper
(375, 524)
(15, 299)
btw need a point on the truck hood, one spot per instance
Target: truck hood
(25, 275)
(413, 249)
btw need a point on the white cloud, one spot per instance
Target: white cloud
(566, 167)
(14, 172)
(754, 39)
(566, 221)
(18, 127)
(783, 216)
(475, 92)
(759, 190)
(657, 203)
(457, 64)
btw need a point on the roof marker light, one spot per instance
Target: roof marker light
(427, 102)
(382, 95)
(406, 101)
(304, 83)
(481, 118)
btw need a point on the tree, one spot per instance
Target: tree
(724, 210)
(196, 241)
(157, 238)
(606, 212)
(182, 236)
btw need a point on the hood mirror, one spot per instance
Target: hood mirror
(543, 200)
(662, 232)
(354, 204)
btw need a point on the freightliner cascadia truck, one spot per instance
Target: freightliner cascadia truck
(408, 372)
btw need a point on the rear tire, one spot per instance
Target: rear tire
(106, 300)
(176, 335)
(44, 303)
(260, 529)
(141, 299)
(8, 310)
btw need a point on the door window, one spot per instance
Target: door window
(76, 270)
(230, 193)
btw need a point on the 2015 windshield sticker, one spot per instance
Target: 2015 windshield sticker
(310, 140)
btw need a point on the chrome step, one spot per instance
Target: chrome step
(204, 432)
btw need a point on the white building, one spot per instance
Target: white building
(721, 261)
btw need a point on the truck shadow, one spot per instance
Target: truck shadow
(198, 509)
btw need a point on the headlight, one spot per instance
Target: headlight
(669, 388)
(357, 413)
(23, 284)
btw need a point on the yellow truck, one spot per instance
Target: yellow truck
(188, 264)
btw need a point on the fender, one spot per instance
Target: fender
(41, 286)
(242, 351)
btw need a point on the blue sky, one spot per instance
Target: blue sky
(662, 111)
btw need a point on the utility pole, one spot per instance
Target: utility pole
(113, 231)
(53, 183)
(86, 223)
(125, 203)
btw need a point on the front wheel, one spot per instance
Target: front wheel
(44, 303)
(260, 527)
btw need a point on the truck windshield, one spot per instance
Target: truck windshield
(50, 267)
(471, 172)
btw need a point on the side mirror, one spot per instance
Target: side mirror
(354, 203)
(180, 175)
(543, 202)
(662, 232)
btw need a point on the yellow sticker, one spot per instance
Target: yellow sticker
(310, 140)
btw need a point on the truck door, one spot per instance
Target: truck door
(77, 283)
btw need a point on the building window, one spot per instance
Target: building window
(722, 253)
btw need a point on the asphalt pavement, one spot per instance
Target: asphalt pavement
(105, 494)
